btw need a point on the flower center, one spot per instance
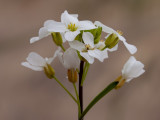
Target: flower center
(72, 27)
(87, 47)
(120, 32)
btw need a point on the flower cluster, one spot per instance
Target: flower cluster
(84, 38)
(85, 45)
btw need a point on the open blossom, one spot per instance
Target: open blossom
(131, 48)
(132, 69)
(36, 62)
(88, 49)
(69, 25)
(71, 62)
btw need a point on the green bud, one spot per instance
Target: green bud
(72, 75)
(49, 71)
(111, 41)
(57, 38)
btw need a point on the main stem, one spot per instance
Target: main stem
(81, 87)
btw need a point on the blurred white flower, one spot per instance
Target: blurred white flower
(70, 25)
(36, 62)
(69, 59)
(131, 48)
(71, 62)
(88, 49)
(132, 69)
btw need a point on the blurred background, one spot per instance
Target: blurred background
(29, 95)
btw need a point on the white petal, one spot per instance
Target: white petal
(137, 69)
(100, 45)
(53, 26)
(74, 15)
(34, 39)
(88, 39)
(86, 25)
(50, 60)
(35, 68)
(131, 48)
(43, 32)
(120, 37)
(114, 48)
(47, 23)
(67, 18)
(132, 69)
(70, 36)
(128, 66)
(77, 45)
(35, 59)
(100, 55)
(104, 27)
(89, 58)
(71, 59)
(60, 57)
(63, 38)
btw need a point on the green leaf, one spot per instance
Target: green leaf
(79, 37)
(98, 97)
(85, 71)
(96, 33)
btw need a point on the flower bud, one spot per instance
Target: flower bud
(121, 82)
(111, 41)
(72, 75)
(57, 38)
(49, 71)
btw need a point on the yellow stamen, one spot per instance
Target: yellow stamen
(120, 32)
(72, 27)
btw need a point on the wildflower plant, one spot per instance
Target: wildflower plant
(85, 45)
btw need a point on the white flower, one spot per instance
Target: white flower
(69, 59)
(43, 32)
(71, 62)
(132, 69)
(88, 50)
(70, 25)
(131, 48)
(36, 62)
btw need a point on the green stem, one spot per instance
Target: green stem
(79, 107)
(98, 97)
(63, 48)
(81, 87)
(85, 71)
(65, 89)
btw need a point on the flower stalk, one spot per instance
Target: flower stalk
(78, 103)
(110, 87)
(65, 89)
(81, 87)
